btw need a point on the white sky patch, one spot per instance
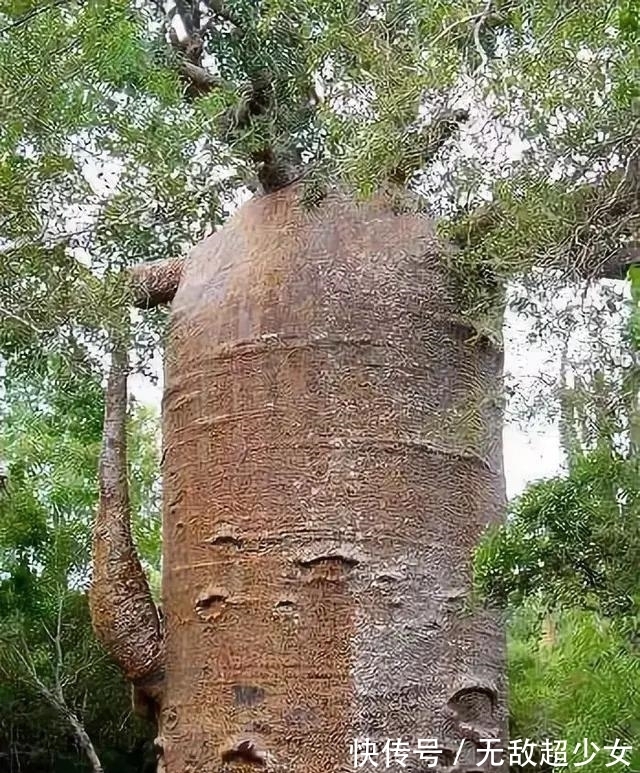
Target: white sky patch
(531, 452)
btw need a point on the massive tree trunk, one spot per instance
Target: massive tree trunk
(332, 452)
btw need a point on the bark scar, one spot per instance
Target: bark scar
(330, 567)
(246, 751)
(212, 603)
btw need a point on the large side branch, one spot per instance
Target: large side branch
(603, 243)
(155, 283)
(124, 617)
(202, 80)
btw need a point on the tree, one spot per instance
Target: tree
(573, 540)
(322, 102)
(572, 676)
(563, 568)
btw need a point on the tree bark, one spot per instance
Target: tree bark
(155, 283)
(332, 454)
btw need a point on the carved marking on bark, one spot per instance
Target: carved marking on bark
(212, 603)
(224, 539)
(285, 607)
(247, 694)
(327, 568)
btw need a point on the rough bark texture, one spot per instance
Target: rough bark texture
(123, 614)
(156, 282)
(332, 455)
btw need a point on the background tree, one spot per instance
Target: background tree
(564, 568)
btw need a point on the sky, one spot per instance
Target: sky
(531, 451)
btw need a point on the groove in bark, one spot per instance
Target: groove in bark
(124, 617)
(332, 455)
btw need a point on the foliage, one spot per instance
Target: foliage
(573, 540)
(574, 675)
(109, 157)
(564, 566)
(97, 170)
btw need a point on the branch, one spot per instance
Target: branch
(155, 283)
(476, 34)
(442, 130)
(617, 263)
(195, 14)
(202, 79)
(190, 52)
(219, 9)
(184, 12)
(602, 240)
(256, 97)
(420, 148)
(22, 320)
(276, 169)
(55, 697)
(124, 617)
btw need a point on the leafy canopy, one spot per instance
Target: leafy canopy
(129, 131)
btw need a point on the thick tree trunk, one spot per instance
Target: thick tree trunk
(332, 455)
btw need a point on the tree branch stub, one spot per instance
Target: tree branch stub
(155, 283)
